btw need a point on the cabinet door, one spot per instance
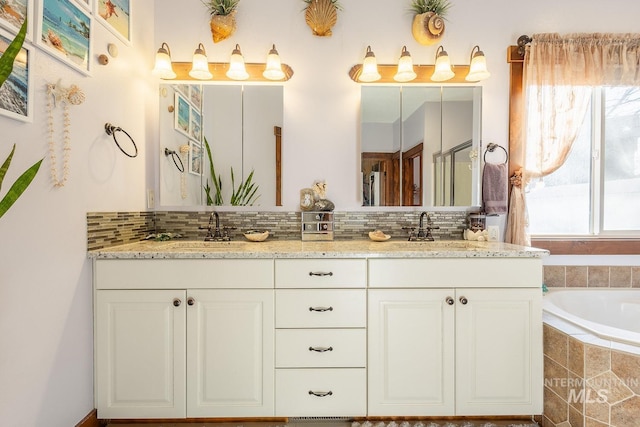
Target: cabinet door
(140, 354)
(230, 347)
(498, 352)
(411, 352)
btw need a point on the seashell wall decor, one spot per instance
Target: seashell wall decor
(222, 26)
(428, 28)
(321, 16)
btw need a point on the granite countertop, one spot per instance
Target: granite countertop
(185, 249)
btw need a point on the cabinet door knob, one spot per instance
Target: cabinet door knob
(191, 301)
(320, 349)
(320, 274)
(177, 302)
(450, 301)
(464, 300)
(321, 309)
(320, 393)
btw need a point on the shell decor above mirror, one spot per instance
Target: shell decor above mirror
(223, 18)
(428, 23)
(321, 16)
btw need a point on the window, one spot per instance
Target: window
(596, 191)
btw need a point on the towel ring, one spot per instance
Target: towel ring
(112, 130)
(175, 156)
(491, 148)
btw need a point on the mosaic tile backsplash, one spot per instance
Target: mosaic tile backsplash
(112, 228)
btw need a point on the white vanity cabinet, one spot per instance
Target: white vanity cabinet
(455, 336)
(321, 337)
(180, 338)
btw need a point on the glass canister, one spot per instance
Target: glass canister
(477, 221)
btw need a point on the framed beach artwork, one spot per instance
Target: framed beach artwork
(64, 32)
(13, 13)
(196, 95)
(196, 125)
(16, 94)
(182, 114)
(116, 16)
(195, 158)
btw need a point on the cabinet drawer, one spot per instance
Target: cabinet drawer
(320, 392)
(183, 273)
(321, 308)
(321, 273)
(321, 348)
(455, 273)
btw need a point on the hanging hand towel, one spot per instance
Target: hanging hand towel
(494, 188)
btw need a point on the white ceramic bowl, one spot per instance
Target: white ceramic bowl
(256, 235)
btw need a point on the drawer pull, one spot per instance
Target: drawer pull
(320, 393)
(320, 274)
(464, 300)
(450, 301)
(320, 349)
(321, 309)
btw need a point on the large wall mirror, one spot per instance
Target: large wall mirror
(420, 144)
(242, 125)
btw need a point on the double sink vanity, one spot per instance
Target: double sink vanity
(283, 328)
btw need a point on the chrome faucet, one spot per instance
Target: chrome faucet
(217, 234)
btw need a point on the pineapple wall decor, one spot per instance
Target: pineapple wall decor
(321, 16)
(428, 23)
(223, 18)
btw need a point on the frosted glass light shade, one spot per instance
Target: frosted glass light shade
(163, 67)
(273, 70)
(405, 71)
(237, 70)
(200, 65)
(442, 70)
(369, 68)
(478, 67)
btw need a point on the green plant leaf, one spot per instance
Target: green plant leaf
(5, 166)
(18, 187)
(9, 55)
(217, 181)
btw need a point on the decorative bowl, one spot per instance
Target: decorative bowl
(256, 235)
(378, 236)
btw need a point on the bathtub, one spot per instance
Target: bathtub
(607, 317)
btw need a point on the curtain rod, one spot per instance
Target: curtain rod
(523, 40)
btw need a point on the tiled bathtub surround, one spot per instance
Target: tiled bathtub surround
(558, 276)
(588, 385)
(107, 228)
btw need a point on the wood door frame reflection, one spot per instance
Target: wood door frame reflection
(408, 168)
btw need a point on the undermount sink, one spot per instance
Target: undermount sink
(202, 245)
(436, 245)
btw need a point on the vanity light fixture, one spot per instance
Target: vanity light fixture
(163, 67)
(405, 67)
(237, 70)
(478, 66)
(369, 68)
(442, 71)
(200, 64)
(273, 70)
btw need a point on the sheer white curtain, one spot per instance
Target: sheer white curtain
(559, 72)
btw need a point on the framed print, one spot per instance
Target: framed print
(16, 94)
(195, 128)
(116, 16)
(13, 13)
(64, 32)
(195, 158)
(86, 4)
(183, 89)
(196, 96)
(182, 113)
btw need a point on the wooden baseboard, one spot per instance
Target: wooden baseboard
(91, 420)
(279, 420)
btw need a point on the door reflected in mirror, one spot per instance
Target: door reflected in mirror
(414, 140)
(242, 125)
